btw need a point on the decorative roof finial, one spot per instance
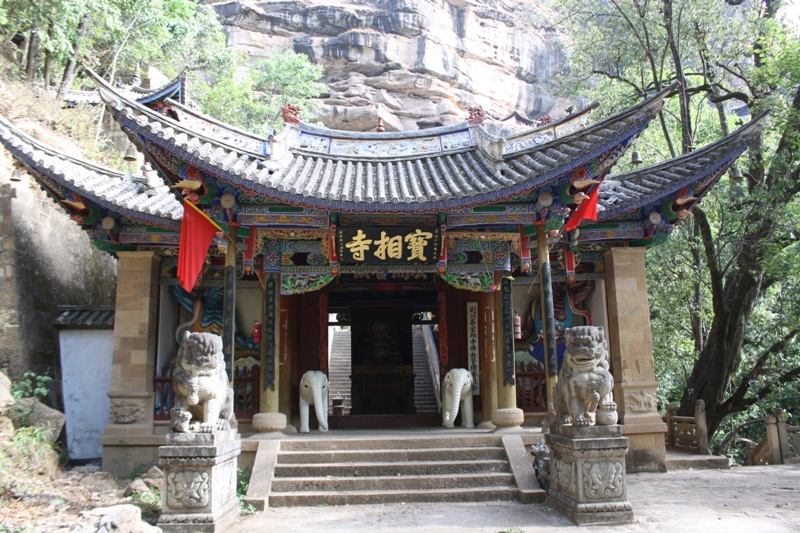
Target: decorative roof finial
(380, 128)
(291, 114)
(476, 116)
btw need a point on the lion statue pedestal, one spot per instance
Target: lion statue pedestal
(200, 457)
(587, 449)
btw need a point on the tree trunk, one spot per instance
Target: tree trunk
(733, 304)
(33, 49)
(48, 56)
(23, 56)
(69, 69)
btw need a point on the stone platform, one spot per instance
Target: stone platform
(587, 474)
(199, 481)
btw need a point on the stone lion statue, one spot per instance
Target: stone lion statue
(584, 393)
(203, 397)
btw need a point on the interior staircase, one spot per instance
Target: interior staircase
(424, 395)
(339, 370)
(470, 468)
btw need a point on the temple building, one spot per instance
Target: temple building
(393, 257)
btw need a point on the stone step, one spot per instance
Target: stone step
(427, 468)
(391, 496)
(464, 441)
(398, 455)
(374, 483)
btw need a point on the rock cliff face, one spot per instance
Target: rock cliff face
(414, 63)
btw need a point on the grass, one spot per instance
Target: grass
(19, 100)
(150, 504)
(242, 484)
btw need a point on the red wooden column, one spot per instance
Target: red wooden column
(323, 333)
(444, 356)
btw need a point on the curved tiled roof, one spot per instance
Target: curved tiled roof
(635, 189)
(105, 187)
(139, 94)
(432, 170)
(76, 316)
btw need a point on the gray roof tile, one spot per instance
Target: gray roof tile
(631, 190)
(381, 171)
(98, 316)
(103, 186)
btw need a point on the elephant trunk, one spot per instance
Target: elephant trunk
(452, 411)
(321, 406)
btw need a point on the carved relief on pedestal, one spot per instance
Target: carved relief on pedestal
(187, 489)
(603, 480)
(564, 478)
(640, 401)
(125, 411)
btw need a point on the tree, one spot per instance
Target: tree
(717, 306)
(253, 98)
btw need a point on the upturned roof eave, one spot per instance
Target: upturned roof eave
(16, 142)
(723, 152)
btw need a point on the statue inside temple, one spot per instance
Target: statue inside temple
(382, 348)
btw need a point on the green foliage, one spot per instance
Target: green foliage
(149, 501)
(252, 98)
(724, 290)
(32, 443)
(242, 484)
(8, 529)
(32, 385)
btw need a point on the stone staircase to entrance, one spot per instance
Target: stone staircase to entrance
(339, 370)
(470, 468)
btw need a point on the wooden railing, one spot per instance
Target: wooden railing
(780, 445)
(531, 390)
(433, 361)
(687, 433)
(246, 392)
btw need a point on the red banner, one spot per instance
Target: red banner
(197, 230)
(586, 211)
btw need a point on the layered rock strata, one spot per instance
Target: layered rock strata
(414, 63)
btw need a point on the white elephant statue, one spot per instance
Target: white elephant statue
(314, 391)
(457, 389)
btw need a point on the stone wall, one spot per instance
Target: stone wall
(46, 260)
(415, 63)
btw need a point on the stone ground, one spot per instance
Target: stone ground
(46, 504)
(746, 500)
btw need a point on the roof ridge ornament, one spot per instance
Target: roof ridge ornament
(291, 114)
(477, 115)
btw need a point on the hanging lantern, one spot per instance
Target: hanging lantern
(636, 158)
(257, 332)
(517, 326)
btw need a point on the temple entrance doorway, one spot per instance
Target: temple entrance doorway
(388, 369)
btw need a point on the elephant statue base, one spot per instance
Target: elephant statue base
(314, 391)
(457, 392)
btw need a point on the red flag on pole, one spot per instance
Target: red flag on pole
(586, 211)
(197, 230)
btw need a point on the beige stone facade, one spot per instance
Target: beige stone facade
(631, 347)
(129, 440)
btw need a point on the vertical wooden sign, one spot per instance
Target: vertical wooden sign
(473, 344)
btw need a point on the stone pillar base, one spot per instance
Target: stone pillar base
(269, 422)
(587, 474)
(508, 418)
(199, 481)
